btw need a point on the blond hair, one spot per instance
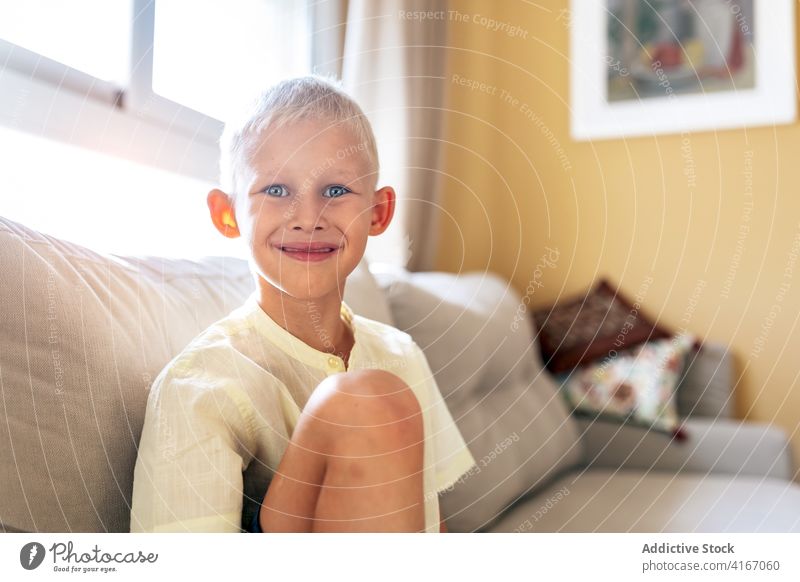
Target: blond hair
(310, 97)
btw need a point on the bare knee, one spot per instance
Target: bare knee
(375, 391)
(374, 400)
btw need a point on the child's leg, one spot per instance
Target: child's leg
(354, 462)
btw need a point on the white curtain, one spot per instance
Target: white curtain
(394, 66)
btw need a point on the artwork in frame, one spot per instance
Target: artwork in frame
(647, 67)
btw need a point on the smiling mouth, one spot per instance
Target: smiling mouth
(308, 249)
(306, 253)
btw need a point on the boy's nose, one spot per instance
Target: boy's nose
(307, 213)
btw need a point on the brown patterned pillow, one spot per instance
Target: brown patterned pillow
(590, 327)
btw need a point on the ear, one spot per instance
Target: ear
(382, 210)
(220, 206)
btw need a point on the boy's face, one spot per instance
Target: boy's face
(305, 185)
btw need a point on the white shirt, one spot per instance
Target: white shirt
(220, 415)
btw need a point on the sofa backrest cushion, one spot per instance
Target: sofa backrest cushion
(488, 367)
(82, 337)
(706, 387)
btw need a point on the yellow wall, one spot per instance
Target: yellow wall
(628, 209)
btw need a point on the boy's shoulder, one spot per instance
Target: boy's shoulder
(214, 343)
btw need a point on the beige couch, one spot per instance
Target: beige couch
(83, 335)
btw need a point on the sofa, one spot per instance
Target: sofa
(84, 334)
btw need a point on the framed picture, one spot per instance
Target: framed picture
(645, 67)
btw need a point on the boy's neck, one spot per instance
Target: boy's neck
(316, 322)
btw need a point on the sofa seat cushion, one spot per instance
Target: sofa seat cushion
(635, 501)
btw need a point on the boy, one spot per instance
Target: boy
(283, 416)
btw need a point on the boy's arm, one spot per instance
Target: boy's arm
(194, 446)
(452, 455)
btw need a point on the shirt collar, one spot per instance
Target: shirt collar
(294, 346)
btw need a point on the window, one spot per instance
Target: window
(49, 28)
(218, 64)
(106, 203)
(142, 87)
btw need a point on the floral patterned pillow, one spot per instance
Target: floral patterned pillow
(638, 385)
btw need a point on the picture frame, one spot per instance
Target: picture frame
(649, 67)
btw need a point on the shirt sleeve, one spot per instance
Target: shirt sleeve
(453, 457)
(194, 446)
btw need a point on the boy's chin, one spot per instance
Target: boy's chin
(312, 273)
(314, 287)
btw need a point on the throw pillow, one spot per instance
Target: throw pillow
(592, 326)
(635, 386)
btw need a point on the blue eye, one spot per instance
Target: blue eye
(276, 190)
(336, 191)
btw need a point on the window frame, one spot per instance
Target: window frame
(140, 96)
(54, 100)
